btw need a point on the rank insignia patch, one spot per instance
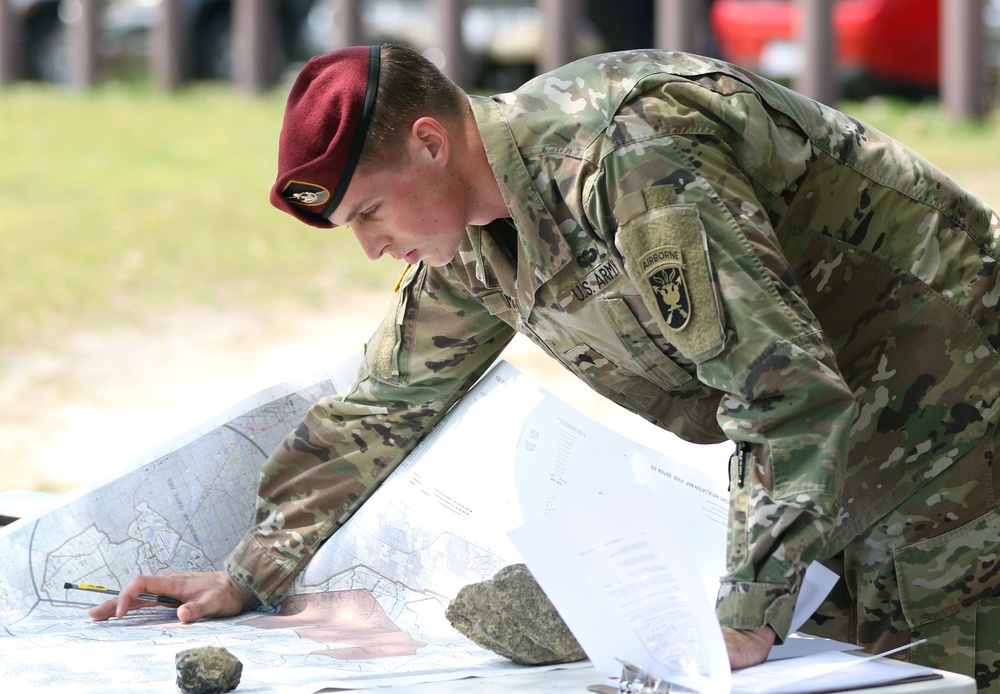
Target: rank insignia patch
(308, 194)
(663, 268)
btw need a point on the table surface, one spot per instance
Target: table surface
(578, 679)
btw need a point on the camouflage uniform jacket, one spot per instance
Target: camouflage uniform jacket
(717, 254)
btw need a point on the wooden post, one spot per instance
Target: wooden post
(677, 25)
(455, 59)
(963, 61)
(168, 46)
(818, 78)
(10, 28)
(559, 19)
(82, 19)
(256, 26)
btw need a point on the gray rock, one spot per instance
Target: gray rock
(207, 670)
(511, 616)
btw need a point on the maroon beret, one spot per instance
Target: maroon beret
(326, 118)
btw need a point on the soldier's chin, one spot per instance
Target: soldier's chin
(438, 260)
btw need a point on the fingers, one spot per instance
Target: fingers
(117, 607)
(210, 594)
(128, 599)
(104, 611)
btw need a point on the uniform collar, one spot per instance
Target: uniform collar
(542, 251)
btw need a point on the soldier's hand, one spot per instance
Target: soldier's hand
(747, 647)
(210, 594)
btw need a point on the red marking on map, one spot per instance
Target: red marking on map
(345, 616)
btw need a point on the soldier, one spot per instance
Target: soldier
(720, 255)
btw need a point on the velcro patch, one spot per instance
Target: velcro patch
(666, 256)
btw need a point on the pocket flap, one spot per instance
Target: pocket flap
(944, 574)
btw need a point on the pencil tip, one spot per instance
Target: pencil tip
(67, 586)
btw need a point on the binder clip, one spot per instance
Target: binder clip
(635, 680)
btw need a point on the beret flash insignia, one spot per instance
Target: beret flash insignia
(308, 194)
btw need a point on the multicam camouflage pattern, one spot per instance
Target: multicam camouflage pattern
(346, 445)
(928, 569)
(729, 260)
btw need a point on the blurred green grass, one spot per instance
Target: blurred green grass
(125, 199)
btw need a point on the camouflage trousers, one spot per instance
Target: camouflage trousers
(929, 569)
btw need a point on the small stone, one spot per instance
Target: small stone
(207, 670)
(511, 616)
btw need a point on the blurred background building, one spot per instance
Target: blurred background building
(875, 46)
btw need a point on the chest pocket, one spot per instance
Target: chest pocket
(656, 365)
(621, 356)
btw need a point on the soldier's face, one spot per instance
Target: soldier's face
(412, 212)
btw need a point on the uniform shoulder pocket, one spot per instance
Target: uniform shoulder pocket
(666, 257)
(384, 352)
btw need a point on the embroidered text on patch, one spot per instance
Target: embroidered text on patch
(589, 286)
(663, 268)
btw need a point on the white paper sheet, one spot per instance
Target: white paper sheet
(616, 570)
(821, 672)
(816, 585)
(628, 598)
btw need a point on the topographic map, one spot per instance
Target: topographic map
(369, 609)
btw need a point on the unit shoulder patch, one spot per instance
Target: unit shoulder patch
(666, 256)
(663, 269)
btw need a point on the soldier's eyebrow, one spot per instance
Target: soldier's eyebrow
(351, 215)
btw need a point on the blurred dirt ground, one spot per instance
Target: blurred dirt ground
(83, 410)
(79, 411)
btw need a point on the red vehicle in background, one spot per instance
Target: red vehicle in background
(879, 43)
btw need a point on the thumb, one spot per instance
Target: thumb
(191, 611)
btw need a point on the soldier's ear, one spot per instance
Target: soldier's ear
(430, 139)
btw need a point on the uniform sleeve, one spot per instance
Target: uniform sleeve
(434, 343)
(687, 213)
